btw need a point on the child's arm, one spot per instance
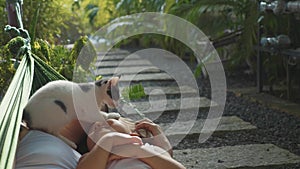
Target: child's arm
(154, 156)
(97, 158)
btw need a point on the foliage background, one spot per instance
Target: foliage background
(58, 22)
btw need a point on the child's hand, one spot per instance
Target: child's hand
(159, 139)
(121, 138)
(110, 140)
(147, 124)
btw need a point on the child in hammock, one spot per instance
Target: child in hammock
(119, 145)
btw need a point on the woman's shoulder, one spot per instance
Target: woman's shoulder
(39, 149)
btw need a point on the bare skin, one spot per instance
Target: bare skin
(122, 143)
(160, 139)
(73, 132)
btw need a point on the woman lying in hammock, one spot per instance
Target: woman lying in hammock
(122, 137)
(37, 149)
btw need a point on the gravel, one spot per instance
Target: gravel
(273, 126)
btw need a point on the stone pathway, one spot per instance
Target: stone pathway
(165, 98)
(240, 156)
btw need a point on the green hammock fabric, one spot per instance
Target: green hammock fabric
(11, 110)
(32, 73)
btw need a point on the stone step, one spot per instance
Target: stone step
(116, 55)
(126, 70)
(239, 156)
(146, 77)
(159, 106)
(172, 91)
(123, 63)
(159, 91)
(226, 124)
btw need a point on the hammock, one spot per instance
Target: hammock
(31, 74)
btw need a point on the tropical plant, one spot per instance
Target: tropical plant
(217, 18)
(51, 20)
(93, 14)
(46, 19)
(272, 26)
(3, 37)
(62, 59)
(133, 92)
(7, 69)
(214, 18)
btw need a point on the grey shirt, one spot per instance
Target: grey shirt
(39, 150)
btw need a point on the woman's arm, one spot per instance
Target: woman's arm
(95, 159)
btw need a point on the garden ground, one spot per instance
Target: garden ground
(251, 133)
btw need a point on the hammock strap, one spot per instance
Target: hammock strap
(16, 6)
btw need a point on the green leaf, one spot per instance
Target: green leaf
(133, 92)
(199, 69)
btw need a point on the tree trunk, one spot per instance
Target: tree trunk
(12, 15)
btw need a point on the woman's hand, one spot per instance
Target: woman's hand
(159, 139)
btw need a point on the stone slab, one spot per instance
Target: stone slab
(116, 55)
(146, 77)
(159, 106)
(240, 156)
(126, 70)
(163, 90)
(124, 63)
(226, 124)
(169, 90)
